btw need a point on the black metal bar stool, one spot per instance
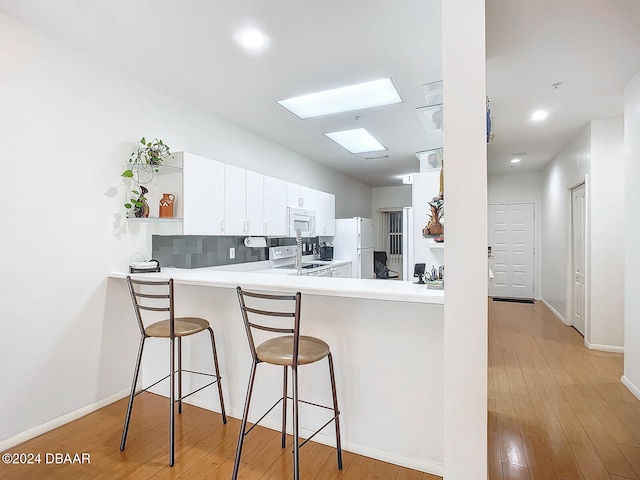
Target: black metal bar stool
(157, 296)
(289, 351)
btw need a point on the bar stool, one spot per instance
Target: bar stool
(287, 351)
(157, 296)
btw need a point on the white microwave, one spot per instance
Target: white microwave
(303, 220)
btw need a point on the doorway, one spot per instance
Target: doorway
(511, 250)
(578, 250)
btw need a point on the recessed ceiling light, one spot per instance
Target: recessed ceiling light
(252, 39)
(357, 140)
(516, 160)
(539, 115)
(344, 99)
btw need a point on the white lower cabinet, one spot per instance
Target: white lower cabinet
(342, 271)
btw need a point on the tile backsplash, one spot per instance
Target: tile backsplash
(194, 251)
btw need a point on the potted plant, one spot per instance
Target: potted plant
(147, 158)
(142, 166)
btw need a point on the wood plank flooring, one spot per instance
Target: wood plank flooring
(556, 409)
(205, 449)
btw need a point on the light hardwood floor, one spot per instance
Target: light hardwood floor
(556, 409)
(205, 449)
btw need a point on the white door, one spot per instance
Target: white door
(511, 240)
(578, 255)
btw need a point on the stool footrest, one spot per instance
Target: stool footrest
(244, 434)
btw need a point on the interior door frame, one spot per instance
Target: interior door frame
(571, 269)
(536, 256)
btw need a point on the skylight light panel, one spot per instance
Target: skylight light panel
(357, 140)
(344, 99)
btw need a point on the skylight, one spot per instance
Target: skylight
(357, 140)
(344, 99)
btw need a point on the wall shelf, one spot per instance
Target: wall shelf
(154, 219)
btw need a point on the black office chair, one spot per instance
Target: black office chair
(380, 268)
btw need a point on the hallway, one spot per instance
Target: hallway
(556, 409)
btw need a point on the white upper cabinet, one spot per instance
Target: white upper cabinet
(294, 198)
(214, 198)
(324, 204)
(275, 207)
(235, 200)
(255, 203)
(202, 195)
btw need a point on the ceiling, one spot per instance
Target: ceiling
(187, 48)
(591, 46)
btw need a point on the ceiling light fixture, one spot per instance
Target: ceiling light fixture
(252, 39)
(344, 99)
(539, 115)
(357, 140)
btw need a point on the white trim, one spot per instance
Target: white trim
(632, 388)
(274, 424)
(555, 312)
(64, 419)
(604, 348)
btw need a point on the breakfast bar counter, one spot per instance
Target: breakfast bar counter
(386, 338)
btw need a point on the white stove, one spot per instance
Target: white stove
(284, 258)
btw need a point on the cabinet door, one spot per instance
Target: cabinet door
(275, 207)
(324, 204)
(255, 203)
(342, 271)
(203, 196)
(235, 200)
(294, 198)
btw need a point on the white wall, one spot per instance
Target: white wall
(595, 156)
(606, 236)
(386, 197)
(632, 236)
(68, 124)
(525, 187)
(567, 170)
(465, 309)
(426, 186)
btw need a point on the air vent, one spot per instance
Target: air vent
(379, 157)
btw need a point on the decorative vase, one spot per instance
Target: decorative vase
(166, 205)
(143, 211)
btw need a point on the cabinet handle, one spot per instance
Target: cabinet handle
(248, 227)
(265, 228)
(222, 226)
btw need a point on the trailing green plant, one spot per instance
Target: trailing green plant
(141, 169)
(147, 157)
(137, 207)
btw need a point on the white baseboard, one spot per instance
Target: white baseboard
(554, 311)
(604, 348)
(422, 465)
(58, 422)
(632, 388)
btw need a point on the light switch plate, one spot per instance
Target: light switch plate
(232, 253)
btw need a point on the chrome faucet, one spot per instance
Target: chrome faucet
(298, 251)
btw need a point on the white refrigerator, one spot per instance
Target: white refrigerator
(354, 241)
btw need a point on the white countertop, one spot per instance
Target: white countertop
(388, 290)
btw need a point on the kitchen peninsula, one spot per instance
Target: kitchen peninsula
(386, 338)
